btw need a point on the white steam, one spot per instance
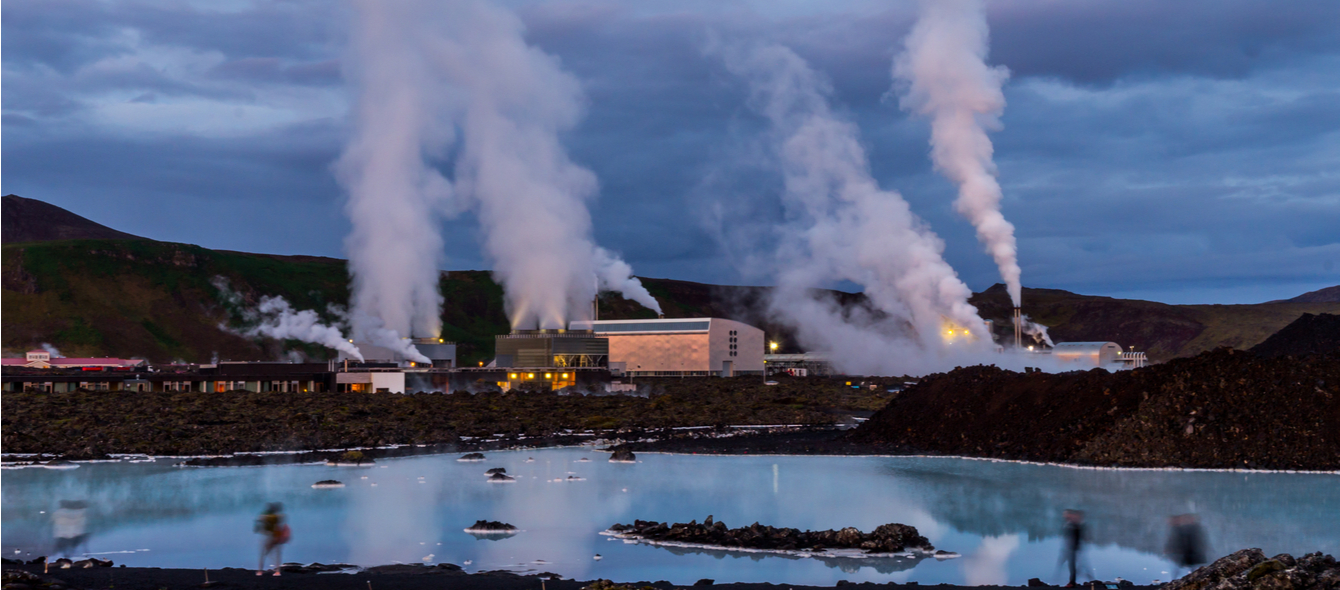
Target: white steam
(947, 80)
(395, 196)
(52, 350)
(275, 318)
(1037, 331)
(458, 80)
(615, 275)
(847, 228)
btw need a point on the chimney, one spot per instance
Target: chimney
(1018, 328)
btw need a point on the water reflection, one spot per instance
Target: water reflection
(1004, 518)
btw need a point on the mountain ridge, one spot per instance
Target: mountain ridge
(133, 297)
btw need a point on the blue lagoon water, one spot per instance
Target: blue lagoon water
(1004, 518)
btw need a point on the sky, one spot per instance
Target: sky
(1185, 152)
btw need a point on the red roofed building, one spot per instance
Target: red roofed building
(41, 359)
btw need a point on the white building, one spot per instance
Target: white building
(1097, 354)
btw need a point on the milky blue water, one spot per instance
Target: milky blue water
(1004, 518)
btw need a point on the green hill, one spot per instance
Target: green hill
(132, 297)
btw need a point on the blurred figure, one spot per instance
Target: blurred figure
(274, 533)
(1186, 543)
(1072, 538)
(69, 527)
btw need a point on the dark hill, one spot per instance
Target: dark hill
(1162, 330)
(1219, 409)
(30, 220)
(1327, 295)
(1309, 334)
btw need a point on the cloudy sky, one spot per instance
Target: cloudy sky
(1184, 151)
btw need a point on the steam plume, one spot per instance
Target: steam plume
(427, 69)
(848, 228)
(948, 81)
(615, 275)
(52, 350)
(275, 318)
(1037, 331)
(395, 197)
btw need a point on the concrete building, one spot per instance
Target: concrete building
(1097, 354)
(691, 347)
(239, 376)
(371, 381)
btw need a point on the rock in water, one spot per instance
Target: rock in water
(472, 457)
(327, 484)
(1249, 569)
(490, 526)
(888, 538)
(623, 455)
(501, 478)
(495, 470)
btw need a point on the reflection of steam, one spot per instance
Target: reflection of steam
(986, 565)
(850, 565)
(388, 525)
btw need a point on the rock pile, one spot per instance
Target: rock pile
(1221, 409)
(888, 538)
(1249, 569)
(623, 455)
(1309, 334)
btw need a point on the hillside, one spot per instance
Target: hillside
(130, 297)
(1310, 334)
(31, 220)
(1163, 331)
(1327, 295)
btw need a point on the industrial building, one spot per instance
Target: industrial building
(440, 352)
(689, 347)
(41, 359)
(227, 376)
(1096, 354)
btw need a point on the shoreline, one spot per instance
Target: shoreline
(763, 441)
(392, 577)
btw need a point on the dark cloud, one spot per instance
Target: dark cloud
(1168, 150)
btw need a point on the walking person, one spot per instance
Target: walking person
(274, 533)
(1072, 538)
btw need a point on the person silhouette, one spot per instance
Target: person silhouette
(275, 533)
(1072, 539)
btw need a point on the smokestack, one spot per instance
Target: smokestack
(1018, 328)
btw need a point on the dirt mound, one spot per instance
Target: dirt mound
(1309, 334)
(31, 220)
(1220, 409)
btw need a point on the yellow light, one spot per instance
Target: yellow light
(773, 345)
(548, 375)
(530, 375)
(514, 375)
(439, 341)
(967, 332)
(849, 383)
(1030, 347)
(951, 332)
(565, 375)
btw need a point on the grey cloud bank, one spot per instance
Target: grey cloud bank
(1184, 153)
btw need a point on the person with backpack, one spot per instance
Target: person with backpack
(275, 533)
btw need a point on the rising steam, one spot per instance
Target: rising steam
(615, 275)
(458, 79)
(395, 197)
(52, 350)
(848, 228)
(275, 318)
(947, 80)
